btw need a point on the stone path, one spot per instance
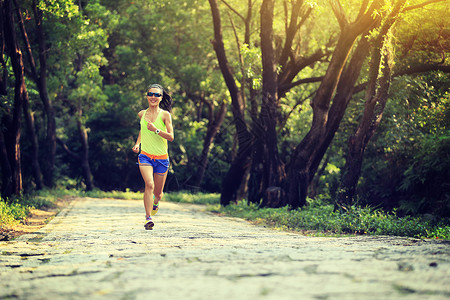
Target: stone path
(98, 249)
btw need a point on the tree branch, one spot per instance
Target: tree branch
(362, 9)
(284, 88)
(339, 13)
(421, 5)
(422, 69)
(233, 10)
(68, 151)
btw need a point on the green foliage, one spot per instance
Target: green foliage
(407, 163)
(58, 8)
(16, 209)
(321, 219)
(112, 194)
(193, 198)
(11, 213)
(111, 139)
(427, 177)
(424, 34)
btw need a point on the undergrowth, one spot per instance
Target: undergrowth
(112, 194)
(198, 198)
(323, 220)
(320, 219)
(16, 209)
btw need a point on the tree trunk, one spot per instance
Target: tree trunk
(42, 91)
(267, 167)
(84, 156)
(29, 120)
(50, 145)
(233, 179)
(13, 140)
(344, 93)
(256, 184)
(7, 184)
(41, 82)
(4, 160)
(261, 126)
(307, 156)
(357, 144)
(314, 185)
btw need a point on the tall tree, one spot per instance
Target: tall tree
(267, 169)
(13, 185)
(39, 76)
(310, 151)
(28, 114)
(376, 96)
(5, 111)
(238, 167)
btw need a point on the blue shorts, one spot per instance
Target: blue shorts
(160, 165)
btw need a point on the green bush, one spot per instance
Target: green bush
(112, 194)
(11, 214)
(194, 198)
(16, 209)
(406, 164)
(323, 220)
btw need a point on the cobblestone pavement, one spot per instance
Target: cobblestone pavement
(98, 248)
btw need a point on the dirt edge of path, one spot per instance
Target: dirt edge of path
(37, 219)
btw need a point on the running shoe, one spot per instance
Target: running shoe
(149, 224)
(155, 209)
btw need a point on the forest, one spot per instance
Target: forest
(278, 102)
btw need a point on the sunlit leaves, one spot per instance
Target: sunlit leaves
(252, 68)
(424, 34)
(58, 8)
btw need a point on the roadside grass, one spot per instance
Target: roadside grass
(317, 218)
(198, 198)
(16, 209)
(112, 194)
(11, 214)
(322, 220)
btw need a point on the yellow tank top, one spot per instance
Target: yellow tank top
(152, 143)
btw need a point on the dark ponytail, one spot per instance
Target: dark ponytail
(166, 102)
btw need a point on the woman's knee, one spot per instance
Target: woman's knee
(159, 195)
(149, 185)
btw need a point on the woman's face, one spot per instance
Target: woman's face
(154, 96)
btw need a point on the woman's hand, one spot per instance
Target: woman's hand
(151, 127)
(136, 148)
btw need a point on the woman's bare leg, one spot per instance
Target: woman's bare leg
(147, 175)
(160, 180)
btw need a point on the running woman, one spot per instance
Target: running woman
(156, 130)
